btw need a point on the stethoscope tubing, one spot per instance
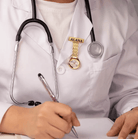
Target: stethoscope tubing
(18, 36)
(87, 4)
(33, 9)
(50, 40)
(55, 72)
(34, 20)
(13, 74)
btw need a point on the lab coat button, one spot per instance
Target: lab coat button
(61, 70)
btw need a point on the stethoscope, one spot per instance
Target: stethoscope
(95, 50)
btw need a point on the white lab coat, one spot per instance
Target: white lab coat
(109, 82)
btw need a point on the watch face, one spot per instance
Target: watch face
(74, 63)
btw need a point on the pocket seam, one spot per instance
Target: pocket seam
(96, 67)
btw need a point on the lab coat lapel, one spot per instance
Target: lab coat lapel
(35, 31)
(24, 5)
(80, 27)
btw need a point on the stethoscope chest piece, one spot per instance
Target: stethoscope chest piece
(95, 49)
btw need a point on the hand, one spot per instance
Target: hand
(125, 124)
(45, 121)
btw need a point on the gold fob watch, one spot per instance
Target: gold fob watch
(74, 61)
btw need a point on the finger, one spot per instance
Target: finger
(65, 112)
(62, 110)
(54, 132)
(59, 109)
(75, 120)
(43, 136)
(67, 118)
(127, 128)
(116, 127)
(136, 134)
(59, 123)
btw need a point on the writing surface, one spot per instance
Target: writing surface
(95, 128)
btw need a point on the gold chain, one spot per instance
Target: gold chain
(75, 50)
(74, 62)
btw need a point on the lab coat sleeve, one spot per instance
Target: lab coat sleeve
(3, 108)
(124, 89)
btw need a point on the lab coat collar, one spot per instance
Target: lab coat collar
(25, 5)
(80, 27)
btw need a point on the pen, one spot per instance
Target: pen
(42, 79)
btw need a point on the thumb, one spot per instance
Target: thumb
(117, 126)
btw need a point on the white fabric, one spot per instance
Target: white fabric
(3, 108)
(6, 136)
(58, 17)
(110, 82)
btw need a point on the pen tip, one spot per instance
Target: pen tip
(74, 132)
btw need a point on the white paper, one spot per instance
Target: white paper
(92, 129)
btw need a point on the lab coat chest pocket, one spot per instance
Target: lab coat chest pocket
(103, 65)
(102, 73)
